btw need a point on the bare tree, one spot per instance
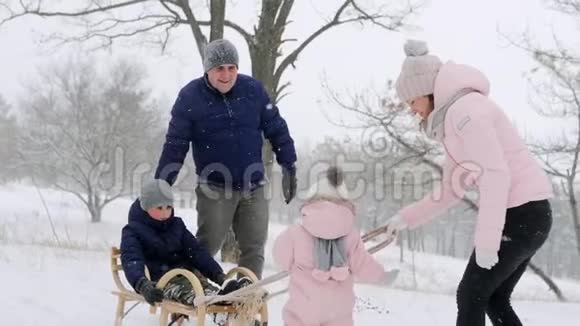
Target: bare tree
(104, 23)
(107, 22)
(8, 142)
(560, 99)
(383, 111)
(555, 82)
(84, 131)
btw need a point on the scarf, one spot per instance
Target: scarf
(434, 126)
(330, 260)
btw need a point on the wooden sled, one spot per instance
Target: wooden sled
(169, 307)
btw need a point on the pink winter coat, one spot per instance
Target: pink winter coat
(480, 142)
(317, 302)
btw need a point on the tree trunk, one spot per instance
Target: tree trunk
(414, 269)
(452, 248)
(218, 15)
(95, 214)
(443, 243)
(375, 223)
(438, 246)
(422, 240)
(263, 54)
(95, 207)
(268, 36)
(574, 210)
(401, 247)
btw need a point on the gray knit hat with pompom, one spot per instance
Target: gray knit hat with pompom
(417, 77)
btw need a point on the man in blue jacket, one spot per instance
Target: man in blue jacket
(223, 115)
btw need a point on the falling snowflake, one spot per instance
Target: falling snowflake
(365, 304)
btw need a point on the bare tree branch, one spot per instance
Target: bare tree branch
(112, 198)
(108, 39)
(282, 16)
(75, 193)
(559, 67)
(246, 35)
(175, 14)
(27, 11)
(397, 20)
(570, 7)
(200, 39)
(336, 21)
(280, 94)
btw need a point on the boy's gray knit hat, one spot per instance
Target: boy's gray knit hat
(156, 193)
(219, 52)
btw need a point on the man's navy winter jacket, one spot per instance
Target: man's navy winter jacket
(225, 132)
(161, 246)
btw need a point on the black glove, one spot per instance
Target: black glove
(148, 290)
(219, 279)
(229, 287)
(233, 285)
(244, 281)
(289, 183)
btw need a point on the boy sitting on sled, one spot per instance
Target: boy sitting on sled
(155, 238)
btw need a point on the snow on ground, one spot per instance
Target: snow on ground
(50, 285)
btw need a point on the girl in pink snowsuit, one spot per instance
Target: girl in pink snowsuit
(324, 255)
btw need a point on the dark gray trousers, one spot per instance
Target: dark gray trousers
(246, 212)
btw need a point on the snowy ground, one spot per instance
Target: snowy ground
(48, 285)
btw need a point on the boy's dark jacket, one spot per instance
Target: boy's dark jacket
(162, 246)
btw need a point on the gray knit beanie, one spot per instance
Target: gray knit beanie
(156, 193)
(219, 52)
(417, 77)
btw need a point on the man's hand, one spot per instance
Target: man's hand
(289, 183)
(486, 258)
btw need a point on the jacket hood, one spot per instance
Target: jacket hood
(327, 220)
(453, 77)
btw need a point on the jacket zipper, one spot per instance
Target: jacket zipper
(450, 156)
(230, 113)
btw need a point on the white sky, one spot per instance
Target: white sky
(352, 58)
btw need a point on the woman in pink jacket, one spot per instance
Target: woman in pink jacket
(324, 256)
(482, 148)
